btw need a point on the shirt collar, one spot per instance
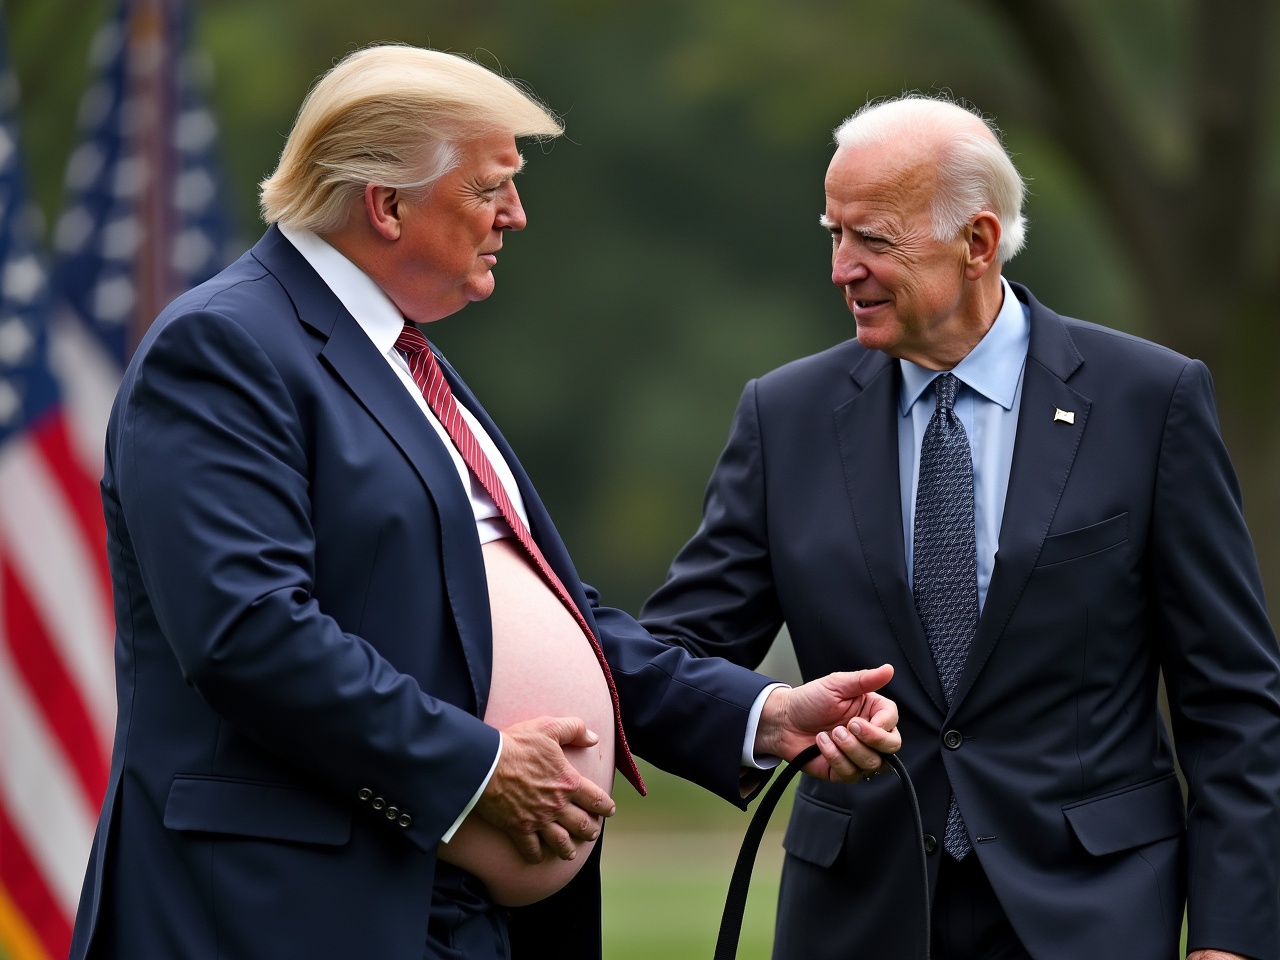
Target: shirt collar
(367, 303)
(992, 368)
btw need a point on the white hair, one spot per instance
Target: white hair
(974, 171)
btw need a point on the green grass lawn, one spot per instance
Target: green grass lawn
(664, 893)
(667, 862)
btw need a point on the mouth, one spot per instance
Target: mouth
(490, 259)
(864, 306)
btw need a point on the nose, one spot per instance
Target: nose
(846, 265)
(511, 215)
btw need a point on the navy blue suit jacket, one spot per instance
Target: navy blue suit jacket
(302, 615)
(1122, 552)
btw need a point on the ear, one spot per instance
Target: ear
(983, 238)
(382, 207)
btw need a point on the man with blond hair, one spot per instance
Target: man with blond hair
(1032, 517)
(367, 708)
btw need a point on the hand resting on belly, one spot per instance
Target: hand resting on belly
(543, 665)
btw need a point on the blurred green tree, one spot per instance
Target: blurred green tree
(1162, 115)
(673, 250)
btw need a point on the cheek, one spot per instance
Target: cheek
(898, 278)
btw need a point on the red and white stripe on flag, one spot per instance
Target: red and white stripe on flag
(143, 221)
(57, 701)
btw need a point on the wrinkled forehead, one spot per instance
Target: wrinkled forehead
(889, 174)
(490, 154)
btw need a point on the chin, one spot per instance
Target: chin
(480, 289)
(874, 338)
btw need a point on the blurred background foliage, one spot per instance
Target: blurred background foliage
(673, 250)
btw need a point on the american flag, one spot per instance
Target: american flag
(143, 220)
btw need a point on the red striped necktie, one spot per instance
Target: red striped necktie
(435, 389)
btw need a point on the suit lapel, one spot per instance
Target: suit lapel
(1043, 454)
(869, 422)
(352, 357)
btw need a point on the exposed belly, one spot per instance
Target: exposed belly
(543, 665)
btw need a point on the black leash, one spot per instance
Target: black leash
(736, 901)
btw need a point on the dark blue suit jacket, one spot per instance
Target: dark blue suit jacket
(1122, 553)
(302, 614)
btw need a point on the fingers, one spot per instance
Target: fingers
(592, 798)
(536, 796)
(879, 731)
(847, 760)
(558, 841)
(529, 846)
(855, 683)
(850, 743)
(880, 712)
(579, 824)
(840, 767)
(571, 732)
(857, 751)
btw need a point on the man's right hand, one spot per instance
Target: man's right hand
(535, 795)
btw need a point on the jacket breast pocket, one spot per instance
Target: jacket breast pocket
(1085, 541)
(816, 831)
(248, 808)
(1128, 818)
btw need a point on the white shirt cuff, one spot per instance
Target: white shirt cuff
(749, 758)
(448, 834)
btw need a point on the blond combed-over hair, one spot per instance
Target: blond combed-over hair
(392, 115)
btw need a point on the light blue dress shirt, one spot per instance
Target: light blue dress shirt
(987, 404)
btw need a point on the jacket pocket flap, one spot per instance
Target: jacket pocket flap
(247, 808)
(816, 832)
(1130, 817)
(1086, 540)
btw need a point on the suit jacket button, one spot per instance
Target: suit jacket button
(379, 803)
(930, 843)
(393, 812)
(405, 820)
(365, 794)
(952, 739)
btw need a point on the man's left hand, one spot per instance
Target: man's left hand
(852, 725)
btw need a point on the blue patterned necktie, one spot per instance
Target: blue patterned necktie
(945, 559)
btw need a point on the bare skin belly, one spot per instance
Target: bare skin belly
(543, 665)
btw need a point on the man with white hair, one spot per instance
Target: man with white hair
(367, 708)
(1033, 518)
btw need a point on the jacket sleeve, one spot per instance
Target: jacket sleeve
(1220, 663)
(213, 474)
(683, 713)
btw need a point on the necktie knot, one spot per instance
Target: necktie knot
(946, 386)
(410, 341)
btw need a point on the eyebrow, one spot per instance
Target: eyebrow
(498, 179)
(518, 168)
(826, 222)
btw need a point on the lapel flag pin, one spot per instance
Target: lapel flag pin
(1066, 416)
